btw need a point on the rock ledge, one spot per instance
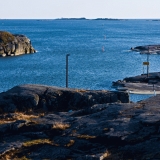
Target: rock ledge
(47, 98)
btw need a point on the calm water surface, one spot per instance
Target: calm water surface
(84, 40)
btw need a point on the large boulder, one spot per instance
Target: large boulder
(14, 44)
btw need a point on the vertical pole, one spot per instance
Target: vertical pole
(67, 70)
(148, 64)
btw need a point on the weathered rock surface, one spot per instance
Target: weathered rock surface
(14, 44)
(147, 49)
(101, 131)
(48, 99)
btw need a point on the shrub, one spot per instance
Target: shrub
(19, 116)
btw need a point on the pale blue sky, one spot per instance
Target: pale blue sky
(50, 9)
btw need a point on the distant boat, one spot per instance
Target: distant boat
(103, 50)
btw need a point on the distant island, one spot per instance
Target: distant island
(86, 19)
(71, 18)
(105, 19)
(14, 44)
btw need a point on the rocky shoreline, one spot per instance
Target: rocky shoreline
(147, 49)
(14, 44)
(141, 84)
(44, 122)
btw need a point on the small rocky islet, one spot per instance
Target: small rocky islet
(147, 49)
(14, 44)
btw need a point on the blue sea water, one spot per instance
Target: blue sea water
(99, 52)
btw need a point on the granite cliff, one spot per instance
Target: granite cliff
(14, 44)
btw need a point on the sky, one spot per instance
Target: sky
(52, 9)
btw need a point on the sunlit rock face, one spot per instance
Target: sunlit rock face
(14, 44)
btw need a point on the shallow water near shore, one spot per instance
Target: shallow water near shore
(139, 97)
(99, 52)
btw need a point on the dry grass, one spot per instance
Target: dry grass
(106, 129)
(11, 156)
(83, 136)
(18, 116)
(22, 158)
(22, 116)
(71, 142)
(106, 155)
(37, 142)
(5, 121)
(61, 126)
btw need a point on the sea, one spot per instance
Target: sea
(99, 52)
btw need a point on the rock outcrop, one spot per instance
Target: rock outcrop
(141, 84)
(143, 78)
(14, 44)
(49, 99)
(147, 49)
(97, 132)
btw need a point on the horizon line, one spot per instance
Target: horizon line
(83, 18)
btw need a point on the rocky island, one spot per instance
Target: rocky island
(44, 122)
(14, 44)
(147, 49)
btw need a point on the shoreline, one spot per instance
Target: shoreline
(143, 92)
(140, 84)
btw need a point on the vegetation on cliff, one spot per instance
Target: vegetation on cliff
(5, 37)
(14, 44)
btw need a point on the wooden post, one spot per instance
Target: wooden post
(148, 62)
